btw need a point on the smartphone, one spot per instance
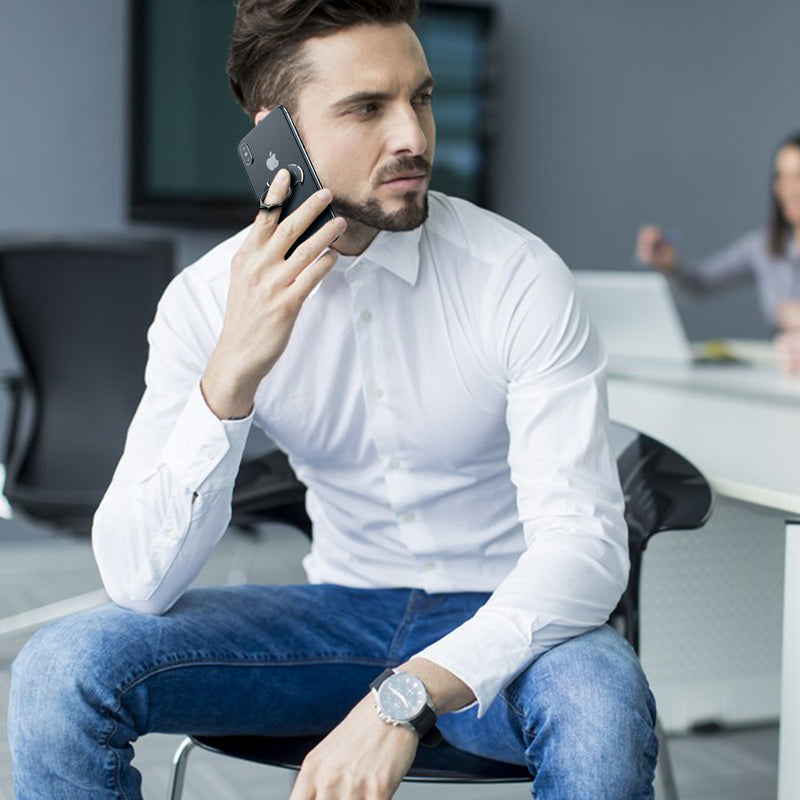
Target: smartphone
(274, 144)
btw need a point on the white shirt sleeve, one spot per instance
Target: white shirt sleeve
(169, 500)
(570, 502)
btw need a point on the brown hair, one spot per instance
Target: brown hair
(265, 57)
(779, 226)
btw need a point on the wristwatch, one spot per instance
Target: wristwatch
(401, 699)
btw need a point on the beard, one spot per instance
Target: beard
(411, 215)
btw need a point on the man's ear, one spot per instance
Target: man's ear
(260, 114)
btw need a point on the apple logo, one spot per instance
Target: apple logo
(272, 162)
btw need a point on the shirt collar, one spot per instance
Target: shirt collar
(397, 252)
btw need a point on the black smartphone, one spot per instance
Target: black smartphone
(274, 144)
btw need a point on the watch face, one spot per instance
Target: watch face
(402, 696)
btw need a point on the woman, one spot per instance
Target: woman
(771, 257)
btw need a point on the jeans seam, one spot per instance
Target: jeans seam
(221, 662)
(117, 759)
(401, 629)
(527, 734)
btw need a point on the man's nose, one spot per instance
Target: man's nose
(406, 136)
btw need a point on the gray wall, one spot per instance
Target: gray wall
(611, 113)
(618, 112)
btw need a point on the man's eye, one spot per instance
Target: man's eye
(423, 99)
(366, 110)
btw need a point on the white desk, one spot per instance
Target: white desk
(741, 427)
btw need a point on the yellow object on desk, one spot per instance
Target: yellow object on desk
(751, 351)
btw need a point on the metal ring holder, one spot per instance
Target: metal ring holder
(297, 176)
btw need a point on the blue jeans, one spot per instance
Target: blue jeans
(292, 660)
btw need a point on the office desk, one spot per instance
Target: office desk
(741, 427)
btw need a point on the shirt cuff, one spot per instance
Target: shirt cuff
(487, 652)
(204, 451)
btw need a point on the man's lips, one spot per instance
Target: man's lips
(406, 180)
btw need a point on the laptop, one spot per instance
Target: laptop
(635, 315)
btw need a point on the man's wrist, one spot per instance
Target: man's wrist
(226, 405)
(446, 691)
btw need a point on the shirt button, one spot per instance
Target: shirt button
(378, 392)
(409, 516)
(428, 566)
(366, 316)
(394, 464)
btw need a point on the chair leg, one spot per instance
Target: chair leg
(179, 763)
(664, 766)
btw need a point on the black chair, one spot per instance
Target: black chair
(78, 310)
(663, 491)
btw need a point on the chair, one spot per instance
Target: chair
(663, 491)
(78, 310)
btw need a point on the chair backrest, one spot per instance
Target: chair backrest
(663, 491)
(78, 310)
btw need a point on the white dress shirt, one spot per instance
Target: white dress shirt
(443, 398)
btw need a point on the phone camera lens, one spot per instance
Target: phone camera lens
(246, 155)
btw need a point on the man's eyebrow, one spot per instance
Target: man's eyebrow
(372, 97)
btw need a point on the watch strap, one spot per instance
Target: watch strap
(388, 672)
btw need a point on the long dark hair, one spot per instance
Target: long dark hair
(779, 226)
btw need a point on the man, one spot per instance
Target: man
(440, 391)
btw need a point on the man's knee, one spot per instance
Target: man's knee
(588, 710)
(73, 661)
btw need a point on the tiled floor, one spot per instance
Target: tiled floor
(37, 569)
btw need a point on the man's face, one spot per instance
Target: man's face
(366, 120)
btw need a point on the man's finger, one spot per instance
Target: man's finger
(289, 229)
(278, 191)
(309, 277)
(266, 221)
(311, 248)
(268, 202)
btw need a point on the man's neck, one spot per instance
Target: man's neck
(355, 240)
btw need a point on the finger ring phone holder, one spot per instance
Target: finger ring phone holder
(296, 176)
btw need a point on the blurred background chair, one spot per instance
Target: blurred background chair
(663, 491)
(77, 310)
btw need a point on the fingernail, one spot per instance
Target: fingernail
(324, 194)
(340, 223)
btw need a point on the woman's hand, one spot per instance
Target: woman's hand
(653, 248)
(789, 315)
(787, 346)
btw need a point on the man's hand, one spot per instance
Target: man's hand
(265, 295)
(363, 758)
